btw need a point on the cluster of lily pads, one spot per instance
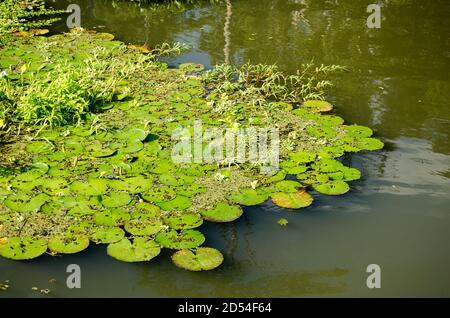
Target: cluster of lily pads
(111, 180)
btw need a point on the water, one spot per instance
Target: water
(397, 216)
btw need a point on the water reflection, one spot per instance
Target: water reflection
(398, 81)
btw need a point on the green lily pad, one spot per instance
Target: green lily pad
(72, 148)
(190, 190)
(40, 147)
(248, 197)
(25, 203)
(183, 221)
(23, 248)
(107, 235)
(302, 156)
(180, 203)
(321, 132)
(133, 134)
(68, 243)
(145, 211)
(351, 174)
(318, 106)
(116, 199)
(223, 212)
(328, 165)
(199, 259)
(113, 217)
(55, 186)
(98, 151)
(191, 67)
(159, 194)
(84, 207)
(370, 144)
(288, 186)
(336, 187)
(296, 200)
(180, 240)
(92, 187)
(133, 185)
(358, 131)
(140, 250)
(143, 227)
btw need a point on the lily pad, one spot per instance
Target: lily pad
(199, 259)
(191, 67)
(143, 227)
(296, 200)
(336, 187)
(288, 186)
(179, 203)
(23, 248)
(318, 106)
(180, 240)
(116, 199)
(113, 217)
(25, 203)
(159, 194)
(107, 235)
(370, 144)
(40, 147)
(223, 212)
(249, 197)
(68, 243)
(183, 221)
(140, 250)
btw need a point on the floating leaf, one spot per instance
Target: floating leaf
(358, 131)
(223, 212)
(179, 203)
(142, 249)
(23, 248)
(283, 222)
(336, 187)
(199, 259)
(183, 221)
(318, 106)
(370, 144)
(159, 194)
(40, 147)
(25, 203)
(68, 243)
(143, 227)
(191, 67)
(180, 240)
(249, 197)
(116, 199)
(107, 235)
(113, 217)
(288, 186)
(296, 200)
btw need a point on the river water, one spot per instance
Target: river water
(396, 216)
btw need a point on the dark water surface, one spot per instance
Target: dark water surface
(397, 216)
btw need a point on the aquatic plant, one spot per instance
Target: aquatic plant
(23, 15)
(101, 169)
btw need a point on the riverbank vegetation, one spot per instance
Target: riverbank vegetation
(87, 125)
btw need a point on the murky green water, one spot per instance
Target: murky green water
(397, 216)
